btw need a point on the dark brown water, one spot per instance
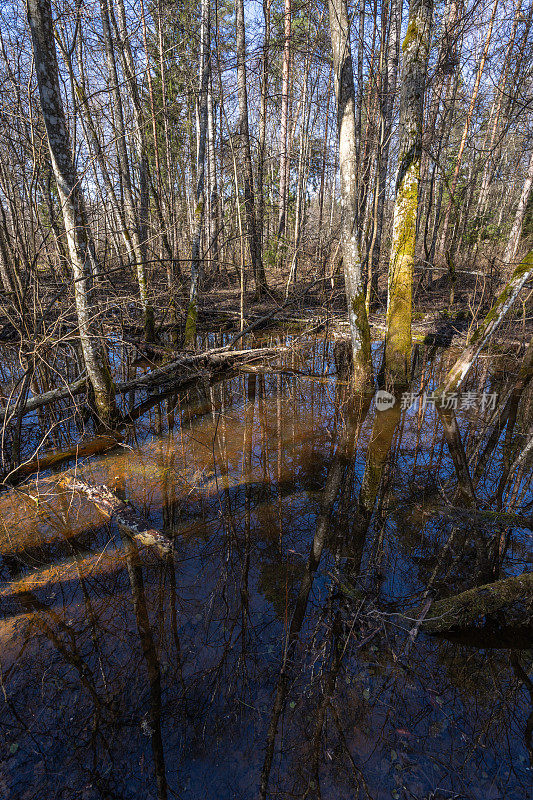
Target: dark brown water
(308, 530)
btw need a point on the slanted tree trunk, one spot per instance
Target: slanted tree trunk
(415, 50)
(246, 154)
(470, 607)
(345, 96)
(95, 357)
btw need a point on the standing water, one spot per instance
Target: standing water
(282, 649)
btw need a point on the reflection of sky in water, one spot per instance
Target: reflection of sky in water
(94, 697)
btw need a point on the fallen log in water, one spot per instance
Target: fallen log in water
(180, 370)
(126, 517)
(472, 606)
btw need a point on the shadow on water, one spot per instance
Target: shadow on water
(280, 650)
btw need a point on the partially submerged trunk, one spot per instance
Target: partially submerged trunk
(415, 50)
(345, 95)
(95, 357)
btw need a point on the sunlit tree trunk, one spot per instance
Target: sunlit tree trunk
(386, 108)
(345, 95)
(212, 183)
(95, 358)
(415, 50)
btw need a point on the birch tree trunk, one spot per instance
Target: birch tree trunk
(345, 96)
(95, 358)
(516, 230)
(415, 50)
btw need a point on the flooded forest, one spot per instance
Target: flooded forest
(266, 399)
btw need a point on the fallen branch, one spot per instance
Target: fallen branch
(126, 517)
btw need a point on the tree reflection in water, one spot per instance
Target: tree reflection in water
(280, 650)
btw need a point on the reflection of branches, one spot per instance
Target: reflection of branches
(333, 484)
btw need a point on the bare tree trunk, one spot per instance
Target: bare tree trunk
(516, 230)
(386, 108)
(345, 95)
(139, 245)
(496, 111)
(199, 210)
(96, 362)
(244, 135)
(262, 124)
(466, 129)
(415, 50)
(212, 184)
(284, 131)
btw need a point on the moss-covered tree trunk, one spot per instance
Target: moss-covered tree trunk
(70, 195)
(415, 50)
(345, 97)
